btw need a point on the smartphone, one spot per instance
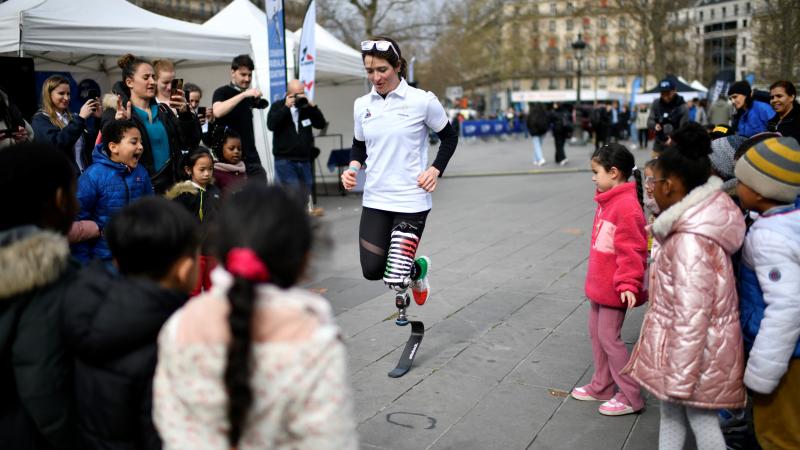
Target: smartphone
(92, 94)
(176, 85)
(201, 111)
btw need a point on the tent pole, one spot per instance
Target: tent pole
(21, 50)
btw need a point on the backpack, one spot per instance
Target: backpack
(537, 122)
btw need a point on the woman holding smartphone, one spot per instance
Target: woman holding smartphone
(165, 135)
(391, 143)
(72, 134)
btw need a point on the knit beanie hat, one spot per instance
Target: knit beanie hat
(772, 168)
(740, 87)
(721, 156)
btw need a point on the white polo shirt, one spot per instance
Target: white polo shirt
(395, 130)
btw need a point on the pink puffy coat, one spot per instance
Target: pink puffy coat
(690, 348)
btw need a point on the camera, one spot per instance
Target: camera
(300, 102)
(259, 103)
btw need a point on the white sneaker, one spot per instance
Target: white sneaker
(563, 162)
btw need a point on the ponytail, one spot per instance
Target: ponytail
(637, 175)
(237, 371)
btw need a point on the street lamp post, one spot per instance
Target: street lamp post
(578, 46)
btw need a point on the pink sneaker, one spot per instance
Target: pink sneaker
(582, 393)
(615, 407)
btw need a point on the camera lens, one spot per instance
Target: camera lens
(260, 103)
(301, 102)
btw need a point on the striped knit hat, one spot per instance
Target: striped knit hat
(772, 168)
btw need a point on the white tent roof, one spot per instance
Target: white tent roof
(110, 27)
(336, 62)
(698, 86)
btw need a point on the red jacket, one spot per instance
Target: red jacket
(618, 256)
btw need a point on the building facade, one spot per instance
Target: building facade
(721, 37)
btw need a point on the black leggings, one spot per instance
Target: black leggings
(375, 237)
(643, 137)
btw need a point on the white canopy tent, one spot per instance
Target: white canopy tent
(73, 32)
(340, 73)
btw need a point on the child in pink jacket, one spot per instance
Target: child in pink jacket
(615, 278)
(689, 354)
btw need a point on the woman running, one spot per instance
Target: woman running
(391, 143)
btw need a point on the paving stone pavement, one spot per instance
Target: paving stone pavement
(506, 335)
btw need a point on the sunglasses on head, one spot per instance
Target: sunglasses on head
(381, 46)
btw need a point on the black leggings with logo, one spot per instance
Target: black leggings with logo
(388, 242)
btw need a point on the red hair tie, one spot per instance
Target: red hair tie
(245, 263)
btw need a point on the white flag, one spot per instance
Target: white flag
(308, 50)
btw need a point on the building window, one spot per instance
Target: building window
(621, 82)
(570, 7)
(535, 85)
(553, 84)
(724, 12)
(587, 23)
(712, 13)
(570, 64)
(553, 64)
(747, 7)
(744, 23)
(515, 85)
(736, 9)
(604, 40)
(603, 23)
(744, 60)
(744, 42)
(622, 41)
(604, 3)
(621, 62)
(602, 63)
(701, 16)
(587, 64)
(602, 82)
(622, 23)
(551, 42)
(570, 24)
(552, 26)
(553, 9)
(568, 83)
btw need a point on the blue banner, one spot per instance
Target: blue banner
(488, 128)
(276, 39)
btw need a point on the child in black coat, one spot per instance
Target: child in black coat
(112, 321)
(201, 198)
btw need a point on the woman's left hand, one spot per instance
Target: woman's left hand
(427, 179)
(178, 101)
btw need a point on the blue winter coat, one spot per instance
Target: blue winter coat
(754, 120)
(103, 189)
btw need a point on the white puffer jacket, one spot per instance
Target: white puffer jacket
(772, 250)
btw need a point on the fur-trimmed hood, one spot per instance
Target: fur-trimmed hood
(706, 211)
(30, 258)
(184, 187)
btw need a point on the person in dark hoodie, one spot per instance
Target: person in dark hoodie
(37, 184)
(667, 113)
(112, 322)
(165, 136)
(114, 180)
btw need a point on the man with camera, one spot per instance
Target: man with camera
(232, 106)
(291, 122)
(668, 113)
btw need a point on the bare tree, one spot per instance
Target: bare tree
(776, 36)
(402, 20)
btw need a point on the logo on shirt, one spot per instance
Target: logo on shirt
(368, 114)
(775, 275)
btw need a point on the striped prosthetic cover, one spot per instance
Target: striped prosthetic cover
(400, 261)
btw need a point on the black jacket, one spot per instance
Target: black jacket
(560, 121)
(183, 132)
(64, 139)
(670, 116)
(112, 325)
(36, 406)
(537, 121)
(789, 126)
(288, 143)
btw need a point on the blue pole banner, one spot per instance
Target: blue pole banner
(276, 40)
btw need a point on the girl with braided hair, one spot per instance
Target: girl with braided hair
(256, 362)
